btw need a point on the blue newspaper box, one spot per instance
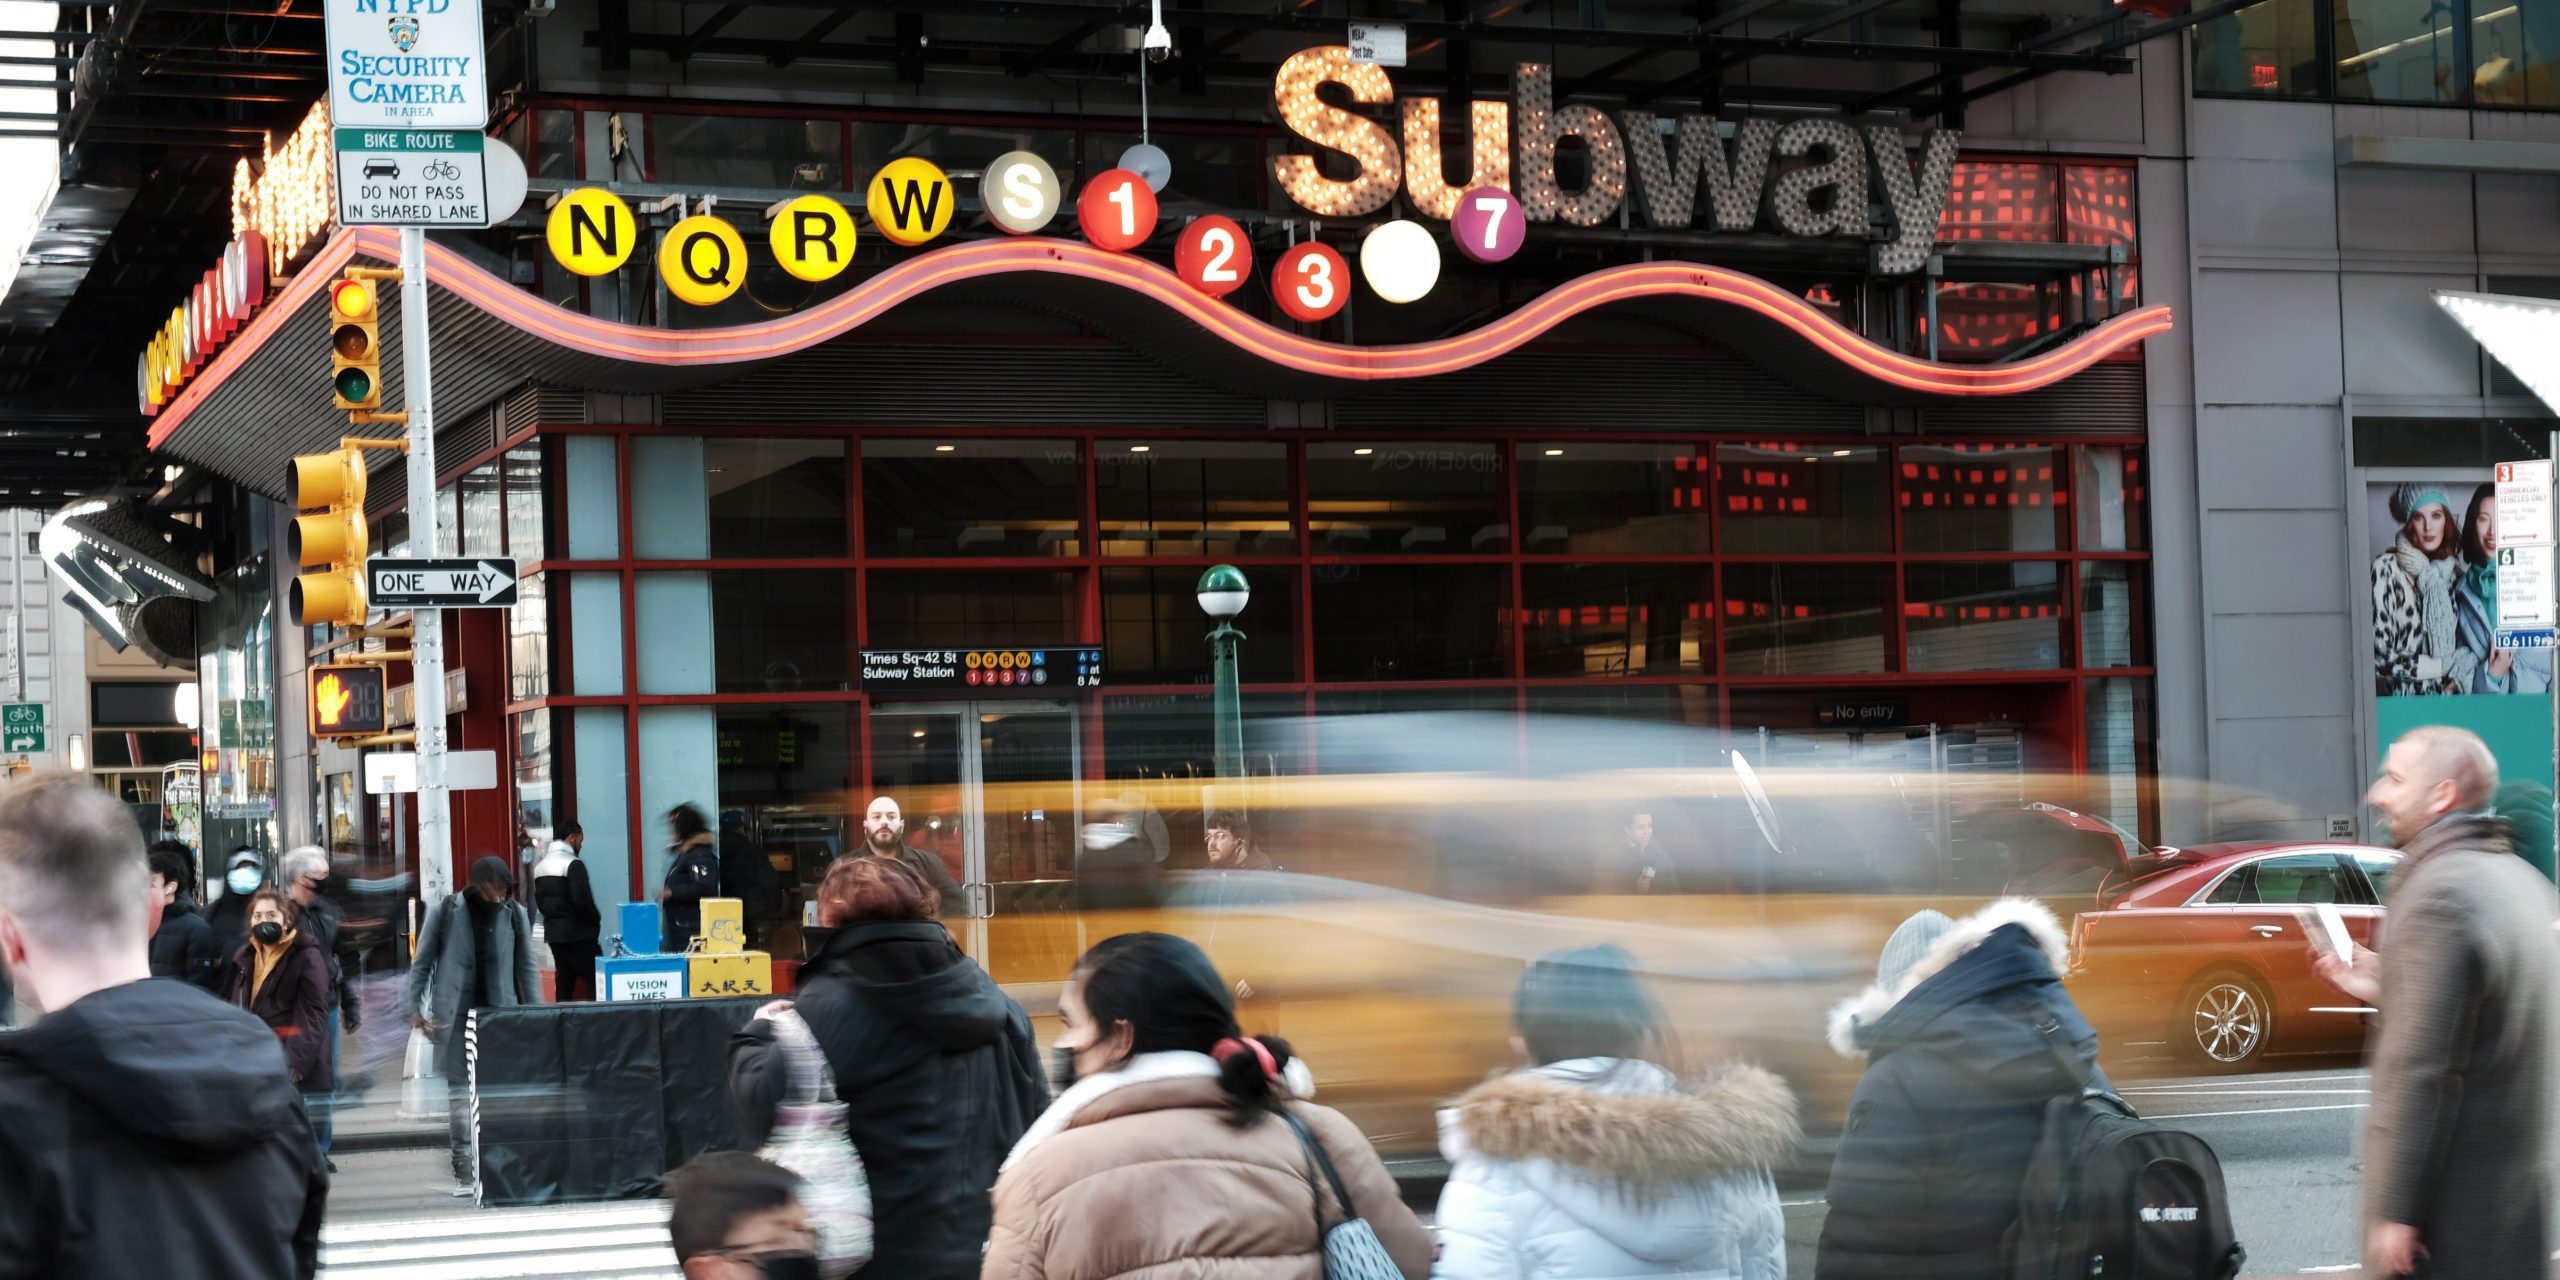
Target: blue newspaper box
(641, 977)
(641, 928)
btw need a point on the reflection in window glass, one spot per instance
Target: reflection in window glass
(969, 609)
(1212, 497)
(2114, 513)
(1151, 739)
(1613, 499)
(1613, 620)
(1154, 633)
(527, 533)
(554, 156)
(529, 639)
(1386, 497)
(1983, 617)
(481, 532)
(750, 151)
(775, 499)
(1222, 171)
(1801, 498)
(968, 497)
(2115, 629)
(2270, 50)
(2515, 53)
(1803, 619)
(778, 630)
(956, 146)
(2120, 741)
(1981, 498)
(2399, 51)
(1409, 622)
(786, 772)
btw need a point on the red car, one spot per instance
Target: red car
(2208, 950)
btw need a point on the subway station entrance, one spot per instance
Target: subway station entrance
(989, 787)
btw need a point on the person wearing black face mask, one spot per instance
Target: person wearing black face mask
(737, 1217)
(280, 975)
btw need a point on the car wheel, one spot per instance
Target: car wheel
(2226, 1020)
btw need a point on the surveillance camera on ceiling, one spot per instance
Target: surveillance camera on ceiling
(1158, 43)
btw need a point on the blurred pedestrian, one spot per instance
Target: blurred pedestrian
(1179, 1146)
(936, 1065)
(304, 873)
(748, 875)
(571, 922)
(283, 978)
(1115, 870)
(884, 835)
(1637, 865)
(147, 1129)
(693, 873)
(1229, 841)
(1966, 1034)
(1600, 1161)
(474, 952)
(734, 1216)
(244, 873)
(2457, 1158)
(182, 943)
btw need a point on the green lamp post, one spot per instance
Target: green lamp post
(1223, 593)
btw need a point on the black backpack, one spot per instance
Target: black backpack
(2112, 1196)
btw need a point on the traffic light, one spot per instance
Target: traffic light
(347, 700)
(332, 540)
(355, 343)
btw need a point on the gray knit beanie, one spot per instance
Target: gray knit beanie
(1908, 944)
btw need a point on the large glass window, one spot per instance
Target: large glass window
(786, 776)
(1801, 499)
(1804, 619)
(1613, 619)
(2114, 510)
(2121, 743)
(971, 497)
(1409, 622)
(1983, 617)
(1208, 497)
(2115, 617)
(2490, 53)
(962, 610)
(772, 153)
(1154, 633)
(1981, 498)
(778, 630)
(482, 531)
(528, 532)
(2270, 50)
(1406, 498)
(1587, 499)
(2408, 51)
(775, 499)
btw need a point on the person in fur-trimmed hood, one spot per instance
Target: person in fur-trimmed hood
(1597, 1163)
(1965, 1033)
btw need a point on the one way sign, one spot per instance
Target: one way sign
(479, 582)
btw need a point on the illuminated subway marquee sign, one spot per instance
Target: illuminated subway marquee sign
(1812, 177)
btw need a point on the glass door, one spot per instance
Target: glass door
(989, 787)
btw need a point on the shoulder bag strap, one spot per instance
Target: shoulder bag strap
(1318, 1160)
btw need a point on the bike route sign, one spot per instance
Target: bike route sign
(426, 178)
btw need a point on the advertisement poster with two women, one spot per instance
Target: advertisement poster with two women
(2436, 659)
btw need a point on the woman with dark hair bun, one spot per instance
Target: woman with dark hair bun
(1176, 1141)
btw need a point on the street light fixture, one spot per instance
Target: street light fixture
(1223, 593)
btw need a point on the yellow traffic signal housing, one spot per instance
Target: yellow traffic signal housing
(332, 540)
(355, 344)
(348, 700)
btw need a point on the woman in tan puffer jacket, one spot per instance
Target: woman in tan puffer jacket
(1164, 1158)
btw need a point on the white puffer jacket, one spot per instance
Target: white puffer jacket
(1603, 1169)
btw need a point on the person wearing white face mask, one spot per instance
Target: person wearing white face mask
(244, 874)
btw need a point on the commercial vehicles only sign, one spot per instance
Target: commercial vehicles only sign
(413, 63)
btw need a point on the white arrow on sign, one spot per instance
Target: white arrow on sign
(22, 743)
(488, 582)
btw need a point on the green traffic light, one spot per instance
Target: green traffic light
(354, 384)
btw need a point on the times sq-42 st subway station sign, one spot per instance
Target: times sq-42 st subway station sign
(1806, 178)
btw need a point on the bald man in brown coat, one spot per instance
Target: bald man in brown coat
(2458, 1143)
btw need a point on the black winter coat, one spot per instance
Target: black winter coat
(692, 875)
(182, 947)
(228, 918)
(939, 1075)
(295, 1001)
(149, 1130)
(1941, 1127)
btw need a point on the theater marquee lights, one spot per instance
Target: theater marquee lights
(290, 197)
(1293, 93)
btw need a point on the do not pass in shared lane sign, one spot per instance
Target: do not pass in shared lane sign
(426, 178)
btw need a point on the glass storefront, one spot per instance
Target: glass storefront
(2478, 53)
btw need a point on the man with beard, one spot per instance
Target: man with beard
(884, 835)
(2458, 1141)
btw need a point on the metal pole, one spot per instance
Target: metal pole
(426, 663)
(2551, 451)
(1226, 701)
(17, 609)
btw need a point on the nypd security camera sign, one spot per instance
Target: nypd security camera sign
(407, 63)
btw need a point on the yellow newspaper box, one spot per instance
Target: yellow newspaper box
(724, 926)
(745, 973)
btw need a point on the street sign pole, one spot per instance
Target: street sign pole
(435, 810)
